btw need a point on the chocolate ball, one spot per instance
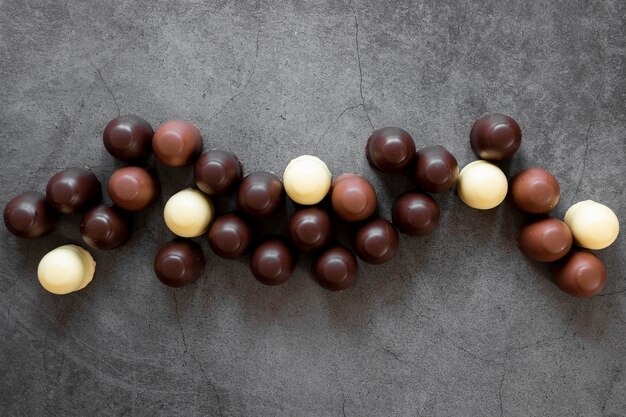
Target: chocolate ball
(580, 274)
(177, 143)
(30, 215)
(128, 138)
(179, 263)
(436, 170)
(390, 150)
(310, 228)
(353, 197)
(415, 214)
(535, 190)
(73, 190)
(217, 172)
(272, 262)
(545, 240)
(260, 194)
(105, 227)
(230, 236)
(495, 136)
(133, 188)
(376, 242)
(335, 269)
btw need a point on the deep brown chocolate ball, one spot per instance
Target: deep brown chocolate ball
(545, 240)
(179, 263)
(230, 236)
(133, 188)
(29, 215)
(376, 242)
(177, 143)
(353, 197)
(73, 190)
(390, 150)
(310, 228)
(218, 172)
(535, 190)
(580, 274)
(128, 138)
(272, 262)
(260, 194)
(495, 136)
(436, 170)
(415, 214)
(105, 227)
(335, 269)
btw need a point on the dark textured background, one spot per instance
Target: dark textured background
(459, 324)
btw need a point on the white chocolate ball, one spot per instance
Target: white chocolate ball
(482, 185)
(307, 180)
(188, 213)
(66, 269)
(593, 225)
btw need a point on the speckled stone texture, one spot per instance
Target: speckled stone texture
(459, 324)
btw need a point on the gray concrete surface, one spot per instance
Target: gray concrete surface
(459, 324)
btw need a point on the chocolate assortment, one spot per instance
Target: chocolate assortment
(73, 190)
(230, 236)
(436, 170)
(179, 263)
(105, 227)
(390, 150)
(128, 138)
(495, 136)
(272, 262)
(30, 215)
(133, 188)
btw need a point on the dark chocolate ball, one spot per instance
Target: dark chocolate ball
(545, 240)
(415, 214)
(177, 143)
(272, 262)
(133, 188)
(390, 150)
(353, 197)
(376, 242)
(128, 138)
(260, 194)
(335, 269)
(105, 227)
(29, 215)
(217, 172)
(436, 170)
(310, 228)
(535, 190)
(230, 236)
(73, 190)
(179, 263)
(580, 274)
(495, 136)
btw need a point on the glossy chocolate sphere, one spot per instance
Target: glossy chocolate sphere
(128, 138)
(545, 240)
(73, 190)
(390, 150)
(133, 188)
(310, 228)
(230, 236)
(105, 227)
(436, 170)
(335, 269)
(535, 190)
(376, 242)
(217, 172)
(177, 143)
(29, 215)
(179, 263)
(260, 194)
(495, 136)
(272, 262)
(580, 274)
(353, 198)
(415, 214)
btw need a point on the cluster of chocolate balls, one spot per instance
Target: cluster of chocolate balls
(320, 202)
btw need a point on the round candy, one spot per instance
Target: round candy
(260, 194)
(133, 188)
(217, 172)
(390, 150)
(335, 269)
(310, 228)
(188, 213)
(66, 269)
(436, 170)
(482, 185)
(179, 263)
(495, 136)
(415, 214)
(353, 198)
(376, 242)
(581, 274)
(128, 138)
(545, 240)
(593, 225)
(307, 180)
(272, 262)
(230, 236)
(105, 227)
(73, 190)
(535, 190)
(177, 143)
(29, 215)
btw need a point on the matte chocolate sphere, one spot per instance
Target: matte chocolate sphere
(128, 138)
(217, 172)
(30, 215)
(436, 170)
(73, 190)
(335, 269)
(133, 188)
(415, 214)
(390, 150)
(545, 240)
(310, 228)
(105, 227)
(179, 263)
(376, 242)
(272, 262)
(260, 194)
(353, 198)
(230, 236)
(177, 143)
(535, 190)
(495, 136)
(581, 274)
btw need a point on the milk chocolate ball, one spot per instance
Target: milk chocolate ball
(260, 194)
(230, 236)
(415, 214)
(272, 262)
(105, 227)
(335, 269)
(436, 170)
(545, 240)
(376, 242)
(581, 274)
(535, 190)
(353, 197)
(390, 150)
(73, 190)
(218, 172)
(128, 138)
(177, 143)
(495, 136)
(133, 188)
(29, 215)
(179, 263)
(310, 228)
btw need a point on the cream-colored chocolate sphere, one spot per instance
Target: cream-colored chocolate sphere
(188, 213)
(482, 185)
(593, 225)
(66, 269)
(307, 180)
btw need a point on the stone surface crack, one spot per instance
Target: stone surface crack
(335, 122)
(358, 57)
(104, 83)
(612, 293)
